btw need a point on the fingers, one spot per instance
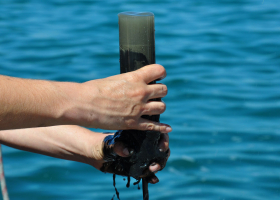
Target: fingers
(145, 124)
(157, 91)
(150, 73)
(121, 150)
(163, 142)
(154, 108)
(153, 179)
(163, 146)
(154, 167)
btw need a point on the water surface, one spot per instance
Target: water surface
(223, 65)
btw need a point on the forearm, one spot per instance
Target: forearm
(66, 142)
(34, 103)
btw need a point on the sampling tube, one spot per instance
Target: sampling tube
(137, 49)
(137, 40)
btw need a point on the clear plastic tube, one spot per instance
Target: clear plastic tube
(137, 40)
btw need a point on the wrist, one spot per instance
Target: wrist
(77, 105)
(94, 150)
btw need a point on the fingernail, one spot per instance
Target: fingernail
(126, 152)
(168, 129)
(154, 168)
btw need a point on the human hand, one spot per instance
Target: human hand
(118, 102)
(115, 151)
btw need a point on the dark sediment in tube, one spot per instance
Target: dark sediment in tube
(137, 49)
(137, 40)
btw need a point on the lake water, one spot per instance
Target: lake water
(223, 63)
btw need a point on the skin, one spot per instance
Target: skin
(114, 103)
(45, 116)
(69, 142)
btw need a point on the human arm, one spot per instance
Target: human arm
(116, 102)
(67, 142)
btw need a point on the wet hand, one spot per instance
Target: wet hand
(121, 150)
(155, 167)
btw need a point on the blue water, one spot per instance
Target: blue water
(223, 63)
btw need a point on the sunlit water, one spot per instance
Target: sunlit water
(223, 65)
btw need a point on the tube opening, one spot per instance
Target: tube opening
(136, 14)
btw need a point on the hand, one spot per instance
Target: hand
(164, 146)
(115, 166)
(154, 167)
(118, 102)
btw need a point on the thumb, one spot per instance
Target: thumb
(122, 150)
(152, 72)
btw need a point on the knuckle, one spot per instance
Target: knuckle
(164, 90)
(150, 127)
(162, 108)
(146, 110)
(164, 142)
(136, 110)
(131, 123)
(141, 92)
(166, 146)
(162, 129)
(138, 94)
(164, 137)
(133, 76)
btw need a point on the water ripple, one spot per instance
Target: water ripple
(222, 59)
